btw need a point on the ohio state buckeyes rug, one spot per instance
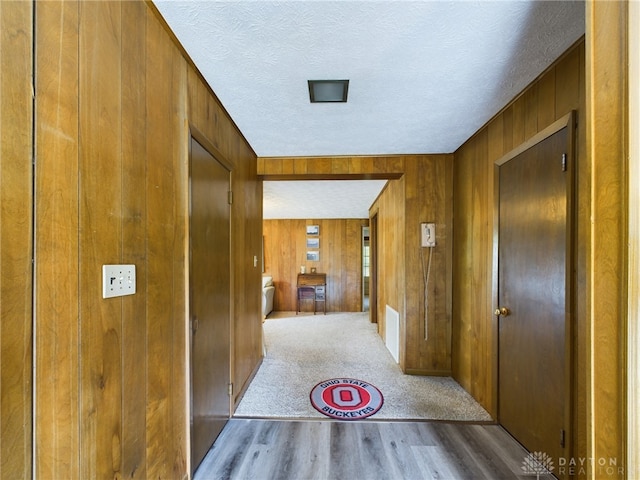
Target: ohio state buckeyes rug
(346, 398)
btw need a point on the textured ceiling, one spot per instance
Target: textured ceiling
(424, 75)
(320, 199)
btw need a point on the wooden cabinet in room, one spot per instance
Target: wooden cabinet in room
(312, 286)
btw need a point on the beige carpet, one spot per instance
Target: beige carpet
(303, 350)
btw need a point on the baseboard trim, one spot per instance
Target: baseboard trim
(427, 373)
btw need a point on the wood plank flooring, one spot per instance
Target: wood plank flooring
(367, 450)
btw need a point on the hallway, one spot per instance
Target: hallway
(276, 433)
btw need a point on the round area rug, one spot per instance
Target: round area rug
(346, 398)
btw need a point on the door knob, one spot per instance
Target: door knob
(504, 311)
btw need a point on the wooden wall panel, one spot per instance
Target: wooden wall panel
(428, 198)
(134, 231)
(390, 211)
(100, 192)
(115, 97)
(340, 258)
(165, 272)
(423, 194)
(633, 340)
(607, 140)
(553, 95)
(290, 168)
(16, 214)
(57, 409)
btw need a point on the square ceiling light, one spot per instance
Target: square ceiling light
(328, 91)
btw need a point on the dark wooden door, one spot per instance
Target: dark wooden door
(209, 300)
(533, 286)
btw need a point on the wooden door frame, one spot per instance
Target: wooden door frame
(373, 267)
(633, 320)
(569, 122)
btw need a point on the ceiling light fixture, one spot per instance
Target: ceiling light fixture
(328, 91)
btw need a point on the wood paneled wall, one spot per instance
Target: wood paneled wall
(292, 168)
(389, 209)
(285, 250)
(208, 117)
(607, 146)
(633, 327)
(16, 238)
(423, 194)
(420, 191)
(115, 99)
(558, 91)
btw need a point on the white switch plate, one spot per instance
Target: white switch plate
(118, 280)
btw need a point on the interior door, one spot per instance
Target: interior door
(209, 300)
(533, 294)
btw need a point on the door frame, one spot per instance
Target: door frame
(373, 268)
(567, 121)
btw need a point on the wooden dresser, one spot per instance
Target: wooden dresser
(313, 287)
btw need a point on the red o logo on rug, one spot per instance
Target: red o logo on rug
(346, 398)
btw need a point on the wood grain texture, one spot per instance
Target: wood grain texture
(607, 147)
(340, 259)
(57, 413)
(61, 307)
(633, 352)
(289, 168)
(160, 191)
(114, 103)
(16, 238)
(134, 208)
(100, 190)
(421, 191)
(390, 211)
(423, 194)
(207, 116)
(371, 450)
(534, 238)
(474, 351)
(428, 198)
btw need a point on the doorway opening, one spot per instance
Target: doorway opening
(366, 268)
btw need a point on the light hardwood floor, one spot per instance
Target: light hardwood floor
(366, 450)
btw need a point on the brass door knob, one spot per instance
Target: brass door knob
(504, 311)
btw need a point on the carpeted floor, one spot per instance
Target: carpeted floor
(303, 350)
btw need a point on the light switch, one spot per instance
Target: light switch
(118, 280)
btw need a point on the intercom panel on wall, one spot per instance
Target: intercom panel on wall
(428, 234)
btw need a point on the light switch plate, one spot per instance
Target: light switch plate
(118, 280)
